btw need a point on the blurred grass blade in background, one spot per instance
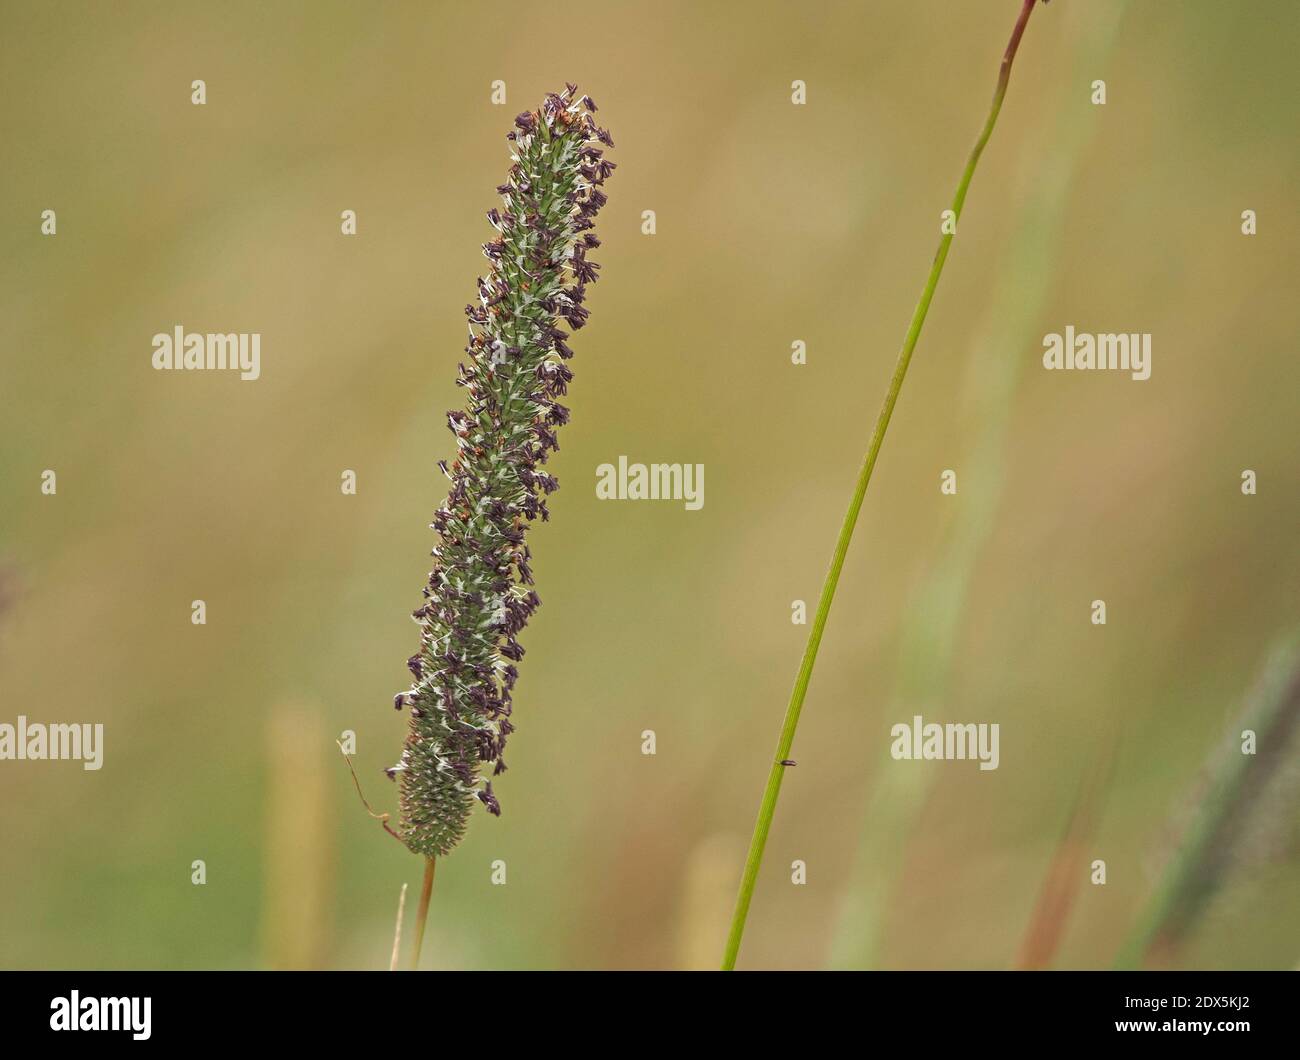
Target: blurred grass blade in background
(931, 624)
(1243, 797)
(299, 844)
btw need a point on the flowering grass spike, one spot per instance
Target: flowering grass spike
(480, 594)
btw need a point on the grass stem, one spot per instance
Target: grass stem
(422, 912)
(773, 789)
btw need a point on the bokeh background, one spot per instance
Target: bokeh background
(775, 223)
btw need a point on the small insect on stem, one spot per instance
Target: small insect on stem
(788, 762)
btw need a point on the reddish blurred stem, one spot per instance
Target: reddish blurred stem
(1066, 872)
(1004, 74)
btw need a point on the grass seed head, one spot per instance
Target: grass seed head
(480, 592)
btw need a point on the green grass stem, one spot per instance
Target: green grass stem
(767, 807)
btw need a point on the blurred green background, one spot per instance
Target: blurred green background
(775, 223)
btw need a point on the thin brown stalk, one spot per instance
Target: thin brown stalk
(422, 912)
